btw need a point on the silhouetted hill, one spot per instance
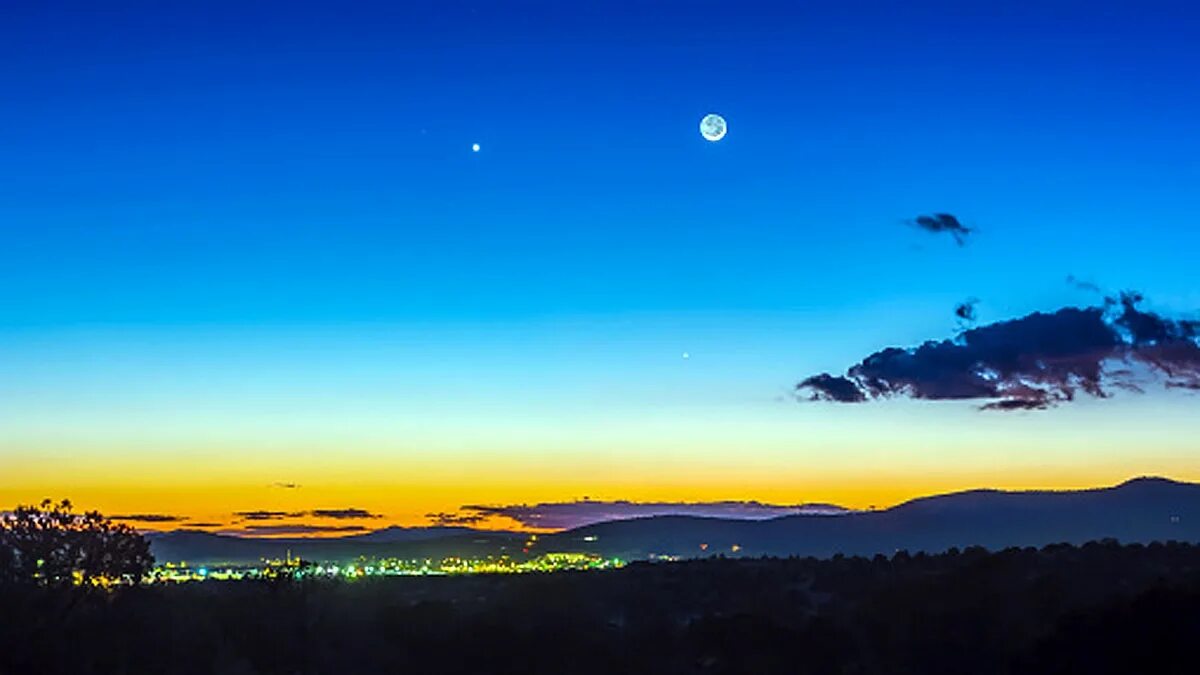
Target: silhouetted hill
(1141, 510)
(206, 548)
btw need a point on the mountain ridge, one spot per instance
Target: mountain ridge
(1141, 509)
(1138, 510)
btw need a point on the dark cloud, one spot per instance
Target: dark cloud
(286, 486)
(1083, 285)
(1030, 363)
(149, 518)
(343, 514)
(269, 515)
(1031, 403)
(337, 514)
(965, 310)
(190, 525)
(444, 519)
(826, 387)
(943, 222)
(255, 530)
(567, 515)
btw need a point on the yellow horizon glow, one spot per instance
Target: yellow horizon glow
(406, 502)
(781, 453)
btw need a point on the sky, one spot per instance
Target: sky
(249, 259)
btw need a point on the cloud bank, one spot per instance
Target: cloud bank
(335, 514)
(269, 515)
(149, 518)
(567, 515)
(297, 529)
(343, 514)
(444, 519)
(1030, 363)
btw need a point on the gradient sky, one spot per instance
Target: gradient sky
(244, 246)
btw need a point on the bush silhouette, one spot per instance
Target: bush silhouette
(51, 545)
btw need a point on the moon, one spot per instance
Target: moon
(713, 127)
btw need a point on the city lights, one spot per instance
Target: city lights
(294, 568)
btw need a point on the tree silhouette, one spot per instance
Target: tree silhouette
(51, 545)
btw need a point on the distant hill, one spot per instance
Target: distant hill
(1141, 510)
(205, 548)
(396, 533)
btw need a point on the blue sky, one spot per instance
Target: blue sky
(190, 193)
(306, 163)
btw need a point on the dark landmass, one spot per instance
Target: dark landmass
(198, 547)
(1141, 510)
(1100, 608)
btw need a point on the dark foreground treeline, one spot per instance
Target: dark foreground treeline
(1099, 608)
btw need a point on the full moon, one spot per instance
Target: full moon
(713, 127)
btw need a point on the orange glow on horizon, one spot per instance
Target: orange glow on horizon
(212, 507)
